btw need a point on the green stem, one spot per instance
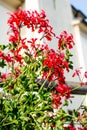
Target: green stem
(42, 85)
(82, 102)
(12, 122)
(3, 120)
(76, 88)
(36, 122)
(44, 81)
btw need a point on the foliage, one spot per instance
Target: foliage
(35, 83)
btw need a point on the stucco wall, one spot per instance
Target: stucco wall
(80, 48)
(3, 24)
(59, 14)
(83, 36)
(4, 10)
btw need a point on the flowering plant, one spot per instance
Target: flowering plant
(35, 85)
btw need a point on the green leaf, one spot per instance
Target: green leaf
(3, 47)
(2, 63)
(71, 66)
(85, 107)
(65, 103)
(75, 112)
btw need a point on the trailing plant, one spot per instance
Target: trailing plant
(34, 88)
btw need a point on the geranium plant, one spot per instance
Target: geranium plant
(34, 88)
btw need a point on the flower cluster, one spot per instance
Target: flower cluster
(65, 41)
(30, 19)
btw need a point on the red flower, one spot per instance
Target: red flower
(65, 41)
(64, 90)
(13, 38)
(1, 54)
(77, 72)
(49, 37)
(8, 58)
(85, 74)
(19, 58)
(32, 20)
(52, 125)
(60, 89)
(17, 72)
(3, 77)
(56, 100)
(56, 63)
(70, 127)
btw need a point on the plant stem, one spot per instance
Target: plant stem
(39, 128)
(82, 102)
(76, 88)
(9, 123)
(44, 81)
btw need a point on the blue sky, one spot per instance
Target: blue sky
(80, 5)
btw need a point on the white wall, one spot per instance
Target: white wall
(59, 14)
(3, 24)
(83, 36)
(31, 5)
(81, 48)
(4, 10)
